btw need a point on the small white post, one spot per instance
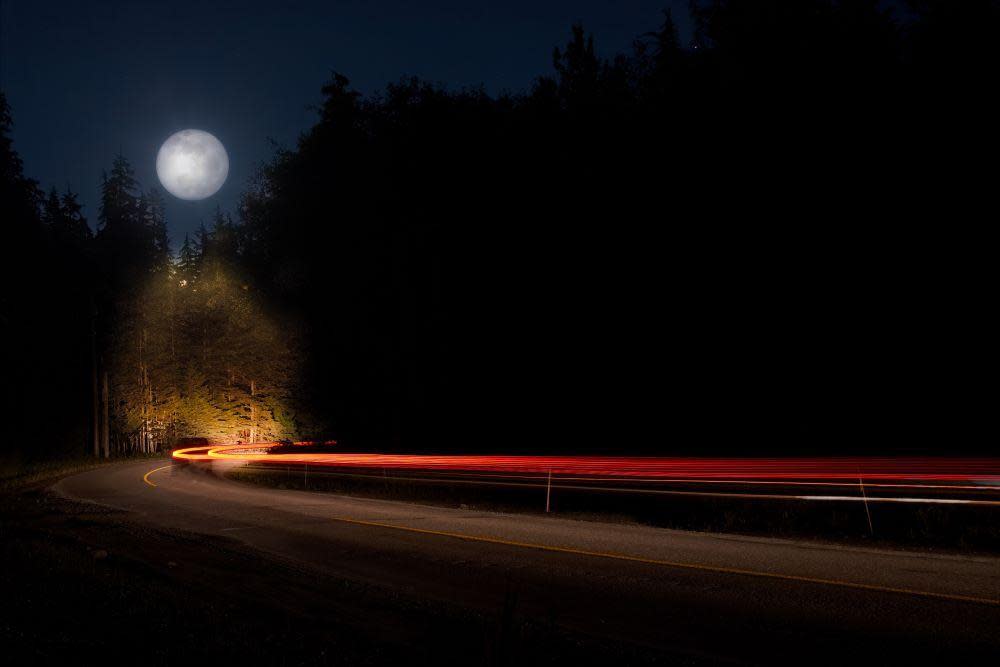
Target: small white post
(871, 530)
(548, 491)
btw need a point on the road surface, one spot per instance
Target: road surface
(695, 597)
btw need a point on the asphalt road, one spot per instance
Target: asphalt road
(694, 597)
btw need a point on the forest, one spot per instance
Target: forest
(774, 234)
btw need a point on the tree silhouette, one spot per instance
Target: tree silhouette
(764, 236)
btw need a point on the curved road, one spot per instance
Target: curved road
(697, 597)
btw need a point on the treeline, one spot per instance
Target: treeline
(119, 347)
(44, 312)
(762, 238)
(754, 241)
(185, 347)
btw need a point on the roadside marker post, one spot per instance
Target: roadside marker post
(868, 513)
(548, 491)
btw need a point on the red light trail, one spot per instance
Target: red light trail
(942, 480)
(980, 471)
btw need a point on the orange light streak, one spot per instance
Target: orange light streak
(807, 470)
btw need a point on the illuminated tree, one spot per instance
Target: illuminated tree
(187, 263)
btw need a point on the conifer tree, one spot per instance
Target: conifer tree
(187, 262)
(154, 220)
(119, 202)
(74, 228)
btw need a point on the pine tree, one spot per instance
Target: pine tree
(63, 217)
(74, 227)
(52, 209)
(203, 242)
(187, 263)
(138, 307)
(44, 311)
(19, 195)
(225, 246)
(119, 209)
(667, 53)
(578, 69)
(154, 219)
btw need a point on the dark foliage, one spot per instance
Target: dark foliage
(750, 244)
(45, 280)
(769, 239)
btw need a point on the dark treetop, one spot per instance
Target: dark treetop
(768, 237)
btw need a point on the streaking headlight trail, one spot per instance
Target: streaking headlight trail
(782, 477)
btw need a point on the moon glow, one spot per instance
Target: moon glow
(192, 164)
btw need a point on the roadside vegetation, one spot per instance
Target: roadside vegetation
(18, 476)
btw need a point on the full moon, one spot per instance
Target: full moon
(192, 164)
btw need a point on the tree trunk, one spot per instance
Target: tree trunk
(253, 412)
(105, 423)
(95, 396)
(145, 393)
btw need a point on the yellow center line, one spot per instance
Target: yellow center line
(145, 477)
(676, 564)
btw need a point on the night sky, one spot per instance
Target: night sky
(87, 79)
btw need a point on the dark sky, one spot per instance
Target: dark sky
(87, 79)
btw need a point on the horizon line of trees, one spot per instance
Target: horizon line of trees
(754, 237)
